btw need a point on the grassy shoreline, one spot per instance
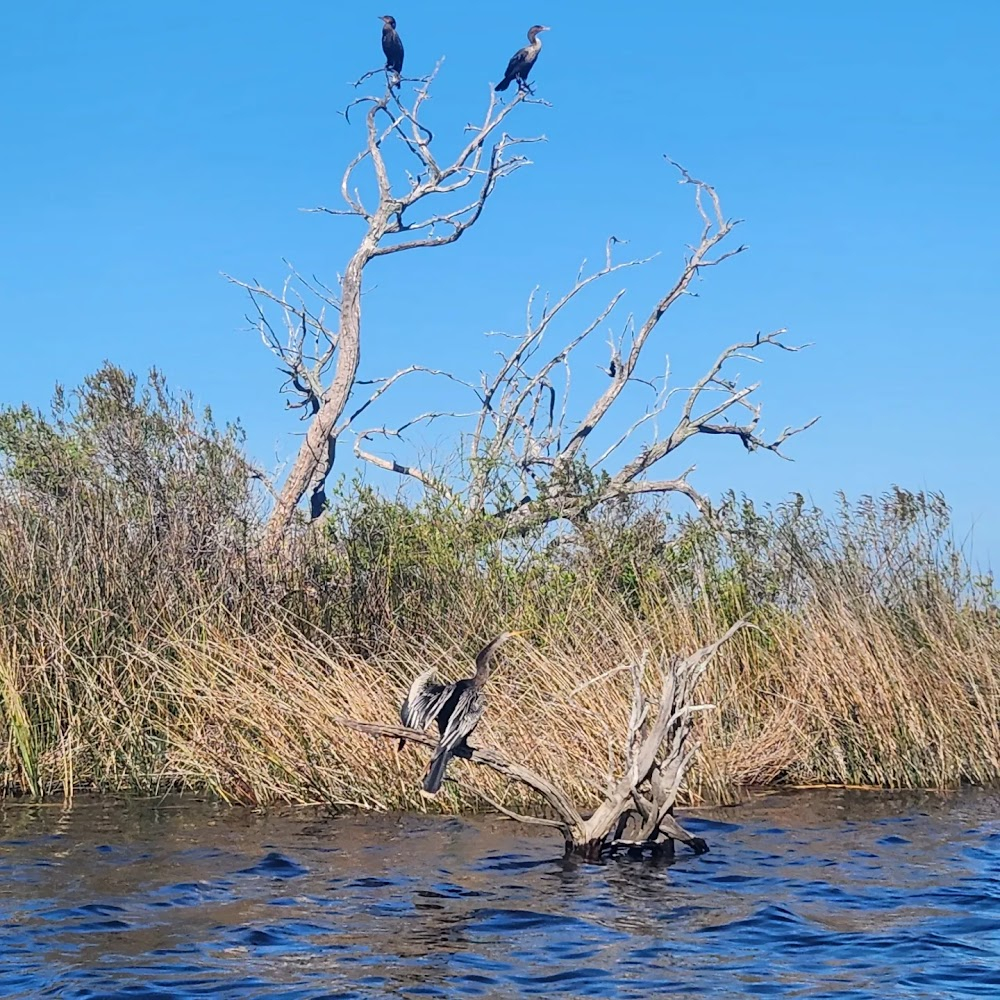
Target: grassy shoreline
(145, 646)
(248, 716)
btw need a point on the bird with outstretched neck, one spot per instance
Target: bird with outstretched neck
(391, 44)
(521, 61)
(457, 709)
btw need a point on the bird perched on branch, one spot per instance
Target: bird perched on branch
(521, 61)
(391, 44)
(457, 709)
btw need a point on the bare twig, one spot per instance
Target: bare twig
(320, 361)
(656, 758)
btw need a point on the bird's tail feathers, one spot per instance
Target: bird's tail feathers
(435, 772)
(503, 84)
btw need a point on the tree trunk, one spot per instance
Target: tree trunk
(316, 454)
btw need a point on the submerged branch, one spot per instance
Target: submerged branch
(554, 796)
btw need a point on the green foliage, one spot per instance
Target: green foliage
(119, 506)
(139, 447)
(37, 455)
(129, 521)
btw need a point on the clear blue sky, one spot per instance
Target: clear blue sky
(150, 146)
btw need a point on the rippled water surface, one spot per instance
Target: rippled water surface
(811, 894)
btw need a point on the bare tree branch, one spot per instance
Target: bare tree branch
(434, 483)
(526, 462)
(321, 362)
(689, 425)
(716, 227)
(384, 384)
(555, 797)
(308, 346)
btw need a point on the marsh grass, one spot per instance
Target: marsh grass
(144, 648)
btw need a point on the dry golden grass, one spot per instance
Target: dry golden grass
(834, 697)
(145, 646)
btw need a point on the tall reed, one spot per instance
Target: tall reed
(145, 647)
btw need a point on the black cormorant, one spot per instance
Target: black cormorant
(521, 61)
(391, 45)
(457, 709)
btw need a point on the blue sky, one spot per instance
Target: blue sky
(150, 147)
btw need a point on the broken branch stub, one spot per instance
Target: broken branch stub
(637, 813)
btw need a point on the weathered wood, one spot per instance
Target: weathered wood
(326, 381)
(637, 815)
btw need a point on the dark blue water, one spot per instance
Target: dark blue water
(819, 894)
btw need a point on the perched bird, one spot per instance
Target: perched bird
(521, 61)
(457, 709)
(391, 44)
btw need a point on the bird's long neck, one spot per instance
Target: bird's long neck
(534, 41)
(483, 662)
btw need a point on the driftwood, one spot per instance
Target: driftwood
(636, 814)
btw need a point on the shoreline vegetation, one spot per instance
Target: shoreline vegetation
(147, 646)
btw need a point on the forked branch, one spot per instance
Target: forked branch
(431, 204)
(657, 755)
(527, 463)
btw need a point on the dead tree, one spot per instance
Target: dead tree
(320, 347)
(636, 810)
(526, 460)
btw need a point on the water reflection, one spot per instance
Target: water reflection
(828, 894)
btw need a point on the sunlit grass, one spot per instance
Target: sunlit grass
(145, 647)
(833, 694)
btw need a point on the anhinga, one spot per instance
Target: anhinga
(457, 709)
(521, 61)
(391, 45)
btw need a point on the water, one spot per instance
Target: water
(812, 894)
